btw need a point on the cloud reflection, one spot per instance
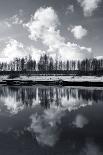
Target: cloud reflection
(80, 121)
(12, 105)
(45, 126)
(91, 149)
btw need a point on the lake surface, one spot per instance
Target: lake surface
(51, 120)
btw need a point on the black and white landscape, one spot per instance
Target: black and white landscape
(51, 77)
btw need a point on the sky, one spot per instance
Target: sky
(68, 29)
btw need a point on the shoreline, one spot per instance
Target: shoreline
(84, 81)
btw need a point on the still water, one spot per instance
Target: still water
(42, 120)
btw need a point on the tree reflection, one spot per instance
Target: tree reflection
(51, 95)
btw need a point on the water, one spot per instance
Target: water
(53, 120)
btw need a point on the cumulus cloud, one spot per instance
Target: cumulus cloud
(70, 9)
(44, 20)
(14, 48)
(78, 31)
(43, 27)
(89, 6)
(74, 52)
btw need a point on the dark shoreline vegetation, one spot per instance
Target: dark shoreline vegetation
(51, 83)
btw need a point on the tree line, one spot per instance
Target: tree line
(48, 65)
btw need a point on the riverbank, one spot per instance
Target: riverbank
(89, 81)
(54, 78)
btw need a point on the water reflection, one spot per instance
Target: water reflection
(80, 121)
(91, 149)
(66, 120)
(45, 126)
(16, 98)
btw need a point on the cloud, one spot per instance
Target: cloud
(78, 31)
(98, 57)
(14, 48)
(73, 51)
(16, 19)
(4, 25)
(70, 9)
(44, 20)
(44, 27)
(89, 6)
(35, 52)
